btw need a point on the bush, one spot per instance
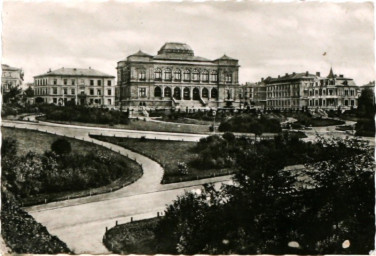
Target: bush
(182, 168)
(61, 147)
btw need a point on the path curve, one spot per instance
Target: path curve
(81, 222)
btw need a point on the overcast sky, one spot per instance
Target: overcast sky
(267, 38)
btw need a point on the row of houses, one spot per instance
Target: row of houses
(176, 78)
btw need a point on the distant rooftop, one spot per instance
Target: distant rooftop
(7, 67)
(76, 72)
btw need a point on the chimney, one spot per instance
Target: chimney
(286, 74)
(341, 75)
(279, 76)
(49, 70)
(262, 79)
(317, 73)
(306, 73)
(294, 73)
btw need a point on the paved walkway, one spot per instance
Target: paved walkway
(81, 222)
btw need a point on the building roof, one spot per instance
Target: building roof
(331, 74)
(293, 76)
(225, 57)
(84, 72)
(7, 67)
(174, 46)
(140, 54)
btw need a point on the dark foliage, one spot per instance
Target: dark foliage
(84, 114)
(250, 124)
(23, 234)
(61, 146)
(35, 174)
(366, 104)
(269, 208)
(365, 128)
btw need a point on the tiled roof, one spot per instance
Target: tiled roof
(89, 72)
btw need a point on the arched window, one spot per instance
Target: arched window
(196, 75)
(205, 76)
(214, 76)
(177, 75)
(158, 74)
(167, 74)
(177, 93)
(214, 93)
(205, 93)
(186, 95)
(141, 75)
(187, 75)
(196, 94)
(167, 92)
(157, 92)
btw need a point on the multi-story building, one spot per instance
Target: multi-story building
(305, 90)
(176, 78)
(10, 77)
(82, 86)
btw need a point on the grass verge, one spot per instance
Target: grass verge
(168, 154)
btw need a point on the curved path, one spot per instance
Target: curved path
(81, 222)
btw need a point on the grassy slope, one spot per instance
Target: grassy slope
(168, 153)
(40, 142)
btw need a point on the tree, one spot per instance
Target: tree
(61, 147)
(366, 104)
(13, 94)
(317, 207)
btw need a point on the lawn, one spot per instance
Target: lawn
(39, 142)
(168, 154)
(141, 125)
(132, 238)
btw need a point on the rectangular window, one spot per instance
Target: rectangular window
(73, 91)
(65, 91)
(109, 101)
(55, 81)
(91, 82)
(99, 82)
(109, 82)
(108, 92)
(99, 92)
(55, 90)
(91, 91)
(65, 81)
(54, 100)
(91, 101)
(73, 82)
(142, 92)
(346, 93)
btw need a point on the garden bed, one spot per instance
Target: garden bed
(132, 238)
(128, 171)
(168, 154)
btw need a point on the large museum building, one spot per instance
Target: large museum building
(176, 78)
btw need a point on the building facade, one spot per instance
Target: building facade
(10, 77)
(311, 91)
(88, 87)
(176, 78)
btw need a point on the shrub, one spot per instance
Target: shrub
(182, 168)
(61, 147)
